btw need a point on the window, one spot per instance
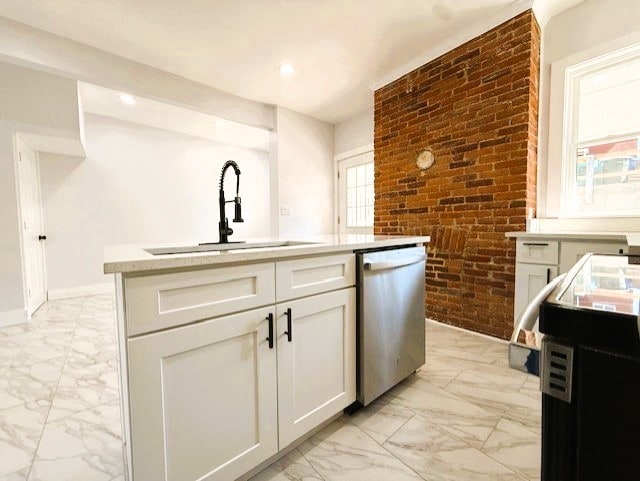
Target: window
(601, 161)
(360, 195)
(355, 193)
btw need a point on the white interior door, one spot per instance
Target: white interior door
(356, 194)
(31, 218)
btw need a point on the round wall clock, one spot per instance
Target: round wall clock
(425, 159)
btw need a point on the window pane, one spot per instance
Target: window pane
(360, 217)
(369, 173)
(351, 217)
(607, 101)
(601, 173)
(361, 176)
(369, 219)
(351, 197)
(369, 196)
(361, 196)
(607, 177)
(351, 177)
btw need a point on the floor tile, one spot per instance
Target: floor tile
(344, 452)
(84, 446)
(80, 390)
(438, 456)
(459, 417)
(20, 431)
(515, 447)
(292, 467)
(381, 418)
(28, 383)
(17, 476)
(464, 415)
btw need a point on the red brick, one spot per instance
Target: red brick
(476, 108)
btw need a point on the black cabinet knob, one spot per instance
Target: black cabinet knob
(42, 237)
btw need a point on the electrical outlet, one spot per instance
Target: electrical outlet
(285, 210)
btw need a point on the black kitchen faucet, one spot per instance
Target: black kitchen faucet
(223, 226)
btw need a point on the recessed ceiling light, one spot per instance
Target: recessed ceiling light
(127, 99)
(220, 122)
(287, 69)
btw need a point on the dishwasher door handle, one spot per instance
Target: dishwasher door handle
(406, 261)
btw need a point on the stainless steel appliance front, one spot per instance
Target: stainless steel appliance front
(391, 316)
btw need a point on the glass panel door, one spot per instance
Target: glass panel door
(356, 194)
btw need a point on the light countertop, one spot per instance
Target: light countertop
(594, 235)
(134, 258)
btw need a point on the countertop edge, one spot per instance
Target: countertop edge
(568, 235)
(149, 263)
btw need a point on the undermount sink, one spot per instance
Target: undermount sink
(214, 246)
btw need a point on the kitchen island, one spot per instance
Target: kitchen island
(230, 358)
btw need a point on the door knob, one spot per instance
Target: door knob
(42, 237)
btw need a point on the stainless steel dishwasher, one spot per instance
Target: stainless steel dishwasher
(391, 292)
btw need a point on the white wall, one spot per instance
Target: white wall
(356, 131)
(41, 104)
(29, 96)
(139, 184)
(42, 50)
(305, 174)
(591, 26)
(12, 302)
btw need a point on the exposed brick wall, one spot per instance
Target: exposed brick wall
(476, 107)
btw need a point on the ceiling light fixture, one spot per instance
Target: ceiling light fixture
(127, 99)
(287, 69)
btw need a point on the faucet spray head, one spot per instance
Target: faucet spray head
(238, 210)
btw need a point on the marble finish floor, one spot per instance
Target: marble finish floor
(464, 416)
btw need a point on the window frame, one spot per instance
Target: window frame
(570, 142)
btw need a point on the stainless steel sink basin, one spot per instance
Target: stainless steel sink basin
(213, 247)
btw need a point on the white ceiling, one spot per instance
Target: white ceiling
(337, 46)
(103, 101)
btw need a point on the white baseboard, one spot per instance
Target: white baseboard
(81, 291)
(11, 318)
(491, 338)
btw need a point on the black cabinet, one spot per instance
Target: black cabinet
(608, 418)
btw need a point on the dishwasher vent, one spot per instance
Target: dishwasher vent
(557, 367)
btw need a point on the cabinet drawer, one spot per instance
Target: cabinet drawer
(305, 277)
(537, 251)
(167, 300)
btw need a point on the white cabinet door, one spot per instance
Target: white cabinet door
(530, 278)
(203, 399)
(316, 361)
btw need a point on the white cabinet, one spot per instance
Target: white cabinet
(538, 260)
(213, 394)
(530, 278)
(203, 399)
(168, 300)
(536, 265)
(537, 251)
(572, 251)
(313, 275)
(316, 361)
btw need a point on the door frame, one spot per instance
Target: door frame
(337, 159)
(18, 146)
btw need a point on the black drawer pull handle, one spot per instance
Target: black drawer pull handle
(548, 275)
(289, 331)
(270, 338)
(535, 244)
